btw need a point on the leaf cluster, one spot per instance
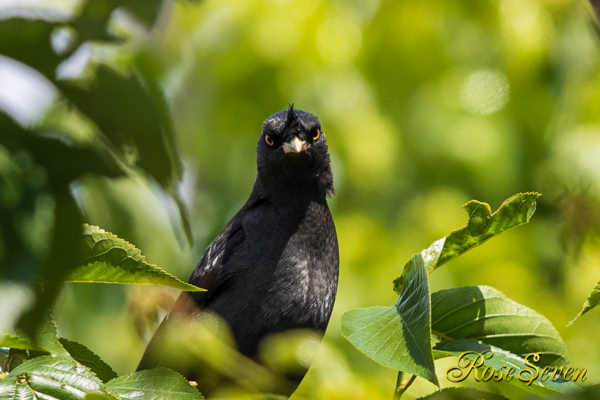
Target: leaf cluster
(69, 370)
(128, 132)
(422, 327)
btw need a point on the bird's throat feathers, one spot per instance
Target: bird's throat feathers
(286, 184)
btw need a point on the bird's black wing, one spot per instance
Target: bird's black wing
(211, 273)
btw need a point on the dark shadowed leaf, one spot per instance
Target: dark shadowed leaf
(159, 383)
(63, 162)
(502, 360)
(85, 356)
(482, 225)
(62, 258)
(91, 24)
(124, 112)
(49, 377)
(592, 301)
(397, 337)
(144, 10)
(485, 314)
(109, 259)
(28, 41)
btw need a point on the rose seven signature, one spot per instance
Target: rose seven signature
(472, 361)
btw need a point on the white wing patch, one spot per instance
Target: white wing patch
(212, 259)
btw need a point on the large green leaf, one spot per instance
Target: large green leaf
(502, 360)
(485, 314)
(482, 226)
(399, 336)
(592, 301)
(49, 377)
(85, 356)
(110, 259)
(158, 383)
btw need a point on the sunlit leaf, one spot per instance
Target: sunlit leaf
(160, 383)
(16, 342)
(592, 301)
(482, 226)
(48, 377)
(462, 394)
(485, 314)
(85, 356)
(47, 336)
(502, 360)
(398, 336)
(110, 259)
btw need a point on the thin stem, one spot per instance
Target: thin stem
(397, 391)
(402, 384)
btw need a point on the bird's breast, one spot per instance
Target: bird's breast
(304, 281)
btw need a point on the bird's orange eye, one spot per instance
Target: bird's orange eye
(317, 134)
(269, 140)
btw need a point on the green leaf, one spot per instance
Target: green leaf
(592, 301)
(145, 10)
(110, 259)
(61, 259)
(501, 360)
(588, 393)
(85, 356)
(159, 383)
(16, 342)
(482, 226)
(92, 22)
(399, 336)
(47, 336)
(49, 377)
(462, 394)
(485, 314)
(95, 16)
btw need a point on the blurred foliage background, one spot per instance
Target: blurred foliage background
(426, 104)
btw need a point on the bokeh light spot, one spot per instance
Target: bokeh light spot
(485, 92)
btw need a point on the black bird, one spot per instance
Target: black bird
(275, 265)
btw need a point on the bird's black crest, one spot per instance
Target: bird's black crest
(292, 118)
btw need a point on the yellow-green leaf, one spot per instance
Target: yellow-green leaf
(110, 259)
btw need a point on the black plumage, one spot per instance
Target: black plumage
(275, 265)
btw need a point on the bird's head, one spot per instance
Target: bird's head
(292, 154)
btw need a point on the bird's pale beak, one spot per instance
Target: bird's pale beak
(295, 146)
